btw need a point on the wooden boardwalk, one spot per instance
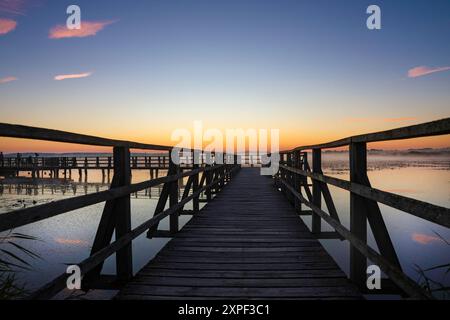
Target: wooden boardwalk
(247, 243)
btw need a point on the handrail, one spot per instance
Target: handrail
(35, 133)
(421, 209)
(428, 129)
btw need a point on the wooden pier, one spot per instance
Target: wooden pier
(248, 241)
(62, 166)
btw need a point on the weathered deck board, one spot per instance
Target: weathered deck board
(247, 243)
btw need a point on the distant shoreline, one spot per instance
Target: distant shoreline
(406, 152)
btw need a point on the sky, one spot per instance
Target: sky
(138, 70)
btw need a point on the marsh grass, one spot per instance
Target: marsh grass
(435, 287)
(13, 259)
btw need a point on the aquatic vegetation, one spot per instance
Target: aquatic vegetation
(13, 259)
(436, 288)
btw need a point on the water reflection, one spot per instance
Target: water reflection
(426, 239)
(67, 238)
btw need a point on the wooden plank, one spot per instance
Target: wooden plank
(242, 274)
(239, 282)
(233, 259)
(230, 292)
(318, 252)
(178, 298)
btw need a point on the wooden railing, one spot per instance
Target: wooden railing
(292, 179)
(203, 180)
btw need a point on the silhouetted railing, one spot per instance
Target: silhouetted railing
(292, 179)
(204, 180)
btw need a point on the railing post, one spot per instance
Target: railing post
(289, 177)
(209, 178)
(317, 194)
(173, 196)
(283, 173)
(195, 181)
(297, 165)
(358, 212)
(122, 212)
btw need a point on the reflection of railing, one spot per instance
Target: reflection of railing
(202, 179)
(292, 179)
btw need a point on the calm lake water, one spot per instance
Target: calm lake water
(67, 238)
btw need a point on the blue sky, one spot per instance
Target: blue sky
(310, 68)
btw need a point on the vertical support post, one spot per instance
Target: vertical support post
(209, 178)
(317, 194)
(358, 212)
(297, 163)
(283, 173)
(122, 212)
(195, 181)
(288, 176)
(173, 196)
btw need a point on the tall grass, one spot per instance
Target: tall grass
(434, 287)
(13, 259)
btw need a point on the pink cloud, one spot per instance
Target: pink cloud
(423, 70)
(88, 28)
(7, 79)
(7, 25)
(424, 238)
(72, 76)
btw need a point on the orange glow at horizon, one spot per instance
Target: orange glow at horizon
(287, 141)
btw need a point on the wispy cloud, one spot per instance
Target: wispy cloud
(88, 28)
(7, 79)
(18, 7)
(15, 7)
(7, 25)
(403, 119)
(72, 76)
(424, 238)
(424, 70)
